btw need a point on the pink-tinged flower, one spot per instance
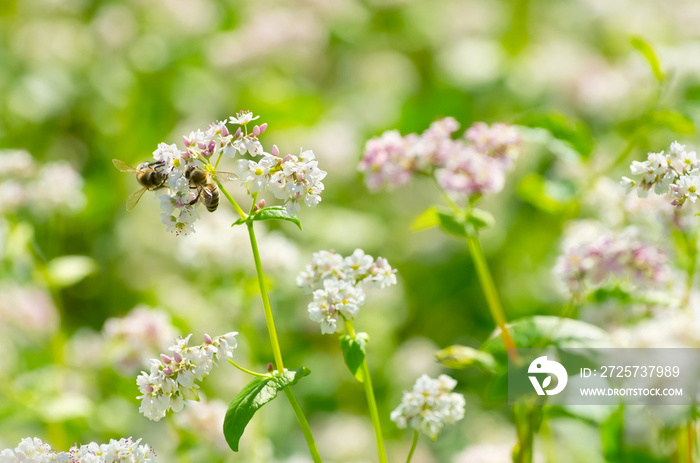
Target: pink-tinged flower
(620, 256)
(472, 166)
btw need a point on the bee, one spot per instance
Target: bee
(205, 183)
(151, 175)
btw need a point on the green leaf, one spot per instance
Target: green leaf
(354, 353)
(548, 196)
(256, 394)
(69, 270)
(428, 219)
(460, 357)
(276, 213)
(451, 224)
(612, 436)
(480, 218)
(546, 331)
(575, 133)
(645, 49)
(674, 121)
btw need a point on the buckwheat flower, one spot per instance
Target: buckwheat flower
(255, 175)
(622, 256)
(468, 172)
(57, 187)
(172, 379)
(499, 141)
(133, 339)
(323, 265)
(475, 165)
(337, 298)
(336, 285)
(243, 118)
(166, 153)
(430, 405)
(12, 196)
(203, 419)
(674, 175)
(385, 162)
(33, 450)
(116, 451)
(17, 163)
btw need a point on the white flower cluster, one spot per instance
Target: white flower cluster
(335, 283)
(53, 187)
(33, 450)
(294, 179)
(172, 379)
(473, 166)
(430, 405)
(135, 338)
(621, 255)
(676, 174)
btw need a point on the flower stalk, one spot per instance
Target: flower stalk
(371, 401)
(269, 320)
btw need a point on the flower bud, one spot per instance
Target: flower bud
(165, 358)
(224, 130)
(238, 133)
(186, 141)
(167, 371)
(270, 368)
(256, 130)
(207, 339)
(263, 128)
(261, 204)
(177, 357)
(275, 150)
(287, 158)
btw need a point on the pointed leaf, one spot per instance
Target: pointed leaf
(481, 218)
(451, 224)
(428, 219)
(69, 270)
(645, 49)
(674, 121)
(276, 213)
(354, 353)
(256, 394)
(575, 133)
(461, 357)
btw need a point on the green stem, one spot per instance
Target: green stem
(371, 401)
(245, 370)
(490, 292)
(305, 428)
(413, 447)
(265, 299)
(231, 200)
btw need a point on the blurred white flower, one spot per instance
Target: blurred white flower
(204, 419)
(430, 405)
(28, 310)
(140, 335)
(622, 255)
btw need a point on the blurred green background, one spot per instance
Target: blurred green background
(85, 81)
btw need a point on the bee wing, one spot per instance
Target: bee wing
(225, 176)
(205, 196)
(123, 166)
(133, 200)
